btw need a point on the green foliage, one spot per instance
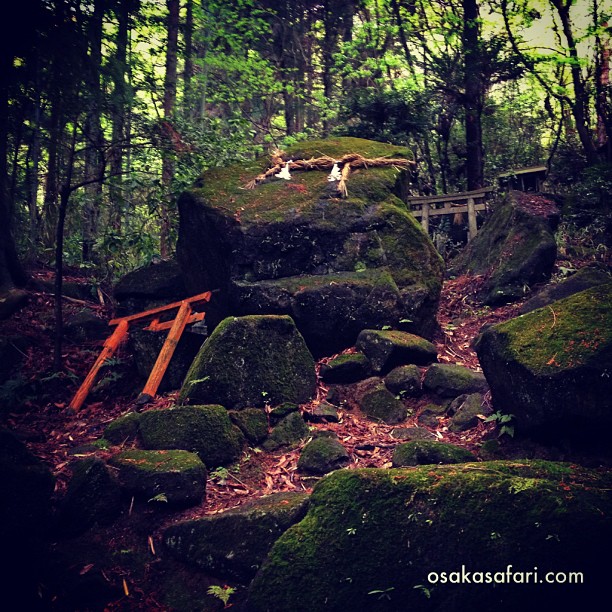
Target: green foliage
(223, 593)
(504, 421)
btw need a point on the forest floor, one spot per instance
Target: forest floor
(60, 437)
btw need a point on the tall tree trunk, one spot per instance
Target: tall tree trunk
(11, 272)
(580, 105)
(188, 69)
(168, 107)
(473, 100)
(94, 162)
(118, 112)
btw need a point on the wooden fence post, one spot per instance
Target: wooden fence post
(425, 217)
(472, 224)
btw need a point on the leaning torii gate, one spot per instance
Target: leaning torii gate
(424, 207)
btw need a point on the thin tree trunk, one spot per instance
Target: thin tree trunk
(474, 95)
(94, 163)
(118, 106)
(188, 69)
(168, 107)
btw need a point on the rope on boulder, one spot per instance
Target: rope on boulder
(346, 163)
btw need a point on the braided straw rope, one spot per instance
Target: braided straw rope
(347, 162)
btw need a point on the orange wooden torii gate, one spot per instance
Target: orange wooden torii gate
(183, 317)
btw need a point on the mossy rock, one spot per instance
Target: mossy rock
(323, 412)
(252, 361)
(346, 369)
(205, 430)
(252, 422)
(387, 349)
(431, 414)
(93, 497)
(172, 476)
(294, 248)
(465, 411)
(514, 249)
(550, 368)
(150, 286)
(425, 452)
(278, 413)
(381, 405)
(404, 381)
(322, 455)
(289, 432)
(412, 433)
(450, 380)
(124, 428)
(234, 544)
(583, 279)
(372, 537)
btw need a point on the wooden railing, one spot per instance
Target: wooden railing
(424, 207)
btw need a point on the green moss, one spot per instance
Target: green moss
(288, 433)
(158, 461)
(252, 361)
(206, 430)
(252, 422)
(234, 543)
(322, 455)
(224, 187)
(381, 405)
(567, 334)
(123, 428)
(450, 380)
(422, 452)
(369, 530)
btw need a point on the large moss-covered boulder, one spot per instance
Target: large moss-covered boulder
(514, 250)
(451, 380)
(345, 369)
(93, 496)
(399, 539)
(322, 455)
(252, 361)
(235, 543)
(205, 430)
(172, 476)
(387, 349)
(336, 266)
(551, 368)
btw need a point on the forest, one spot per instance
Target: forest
(110, 109)
(284, 324)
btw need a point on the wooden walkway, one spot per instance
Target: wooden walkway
(424, 207)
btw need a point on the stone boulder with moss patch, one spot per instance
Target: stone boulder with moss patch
(451, 380)
(551, 368)
(322, 455)
(373, 537)
(172, 476)
(381, 405)
(235, 543)
(387, 349)
(514, 250)
(337, 266)
(425, 452)
(205, 430)
(252, 361)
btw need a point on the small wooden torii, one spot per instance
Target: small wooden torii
(183, 317)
